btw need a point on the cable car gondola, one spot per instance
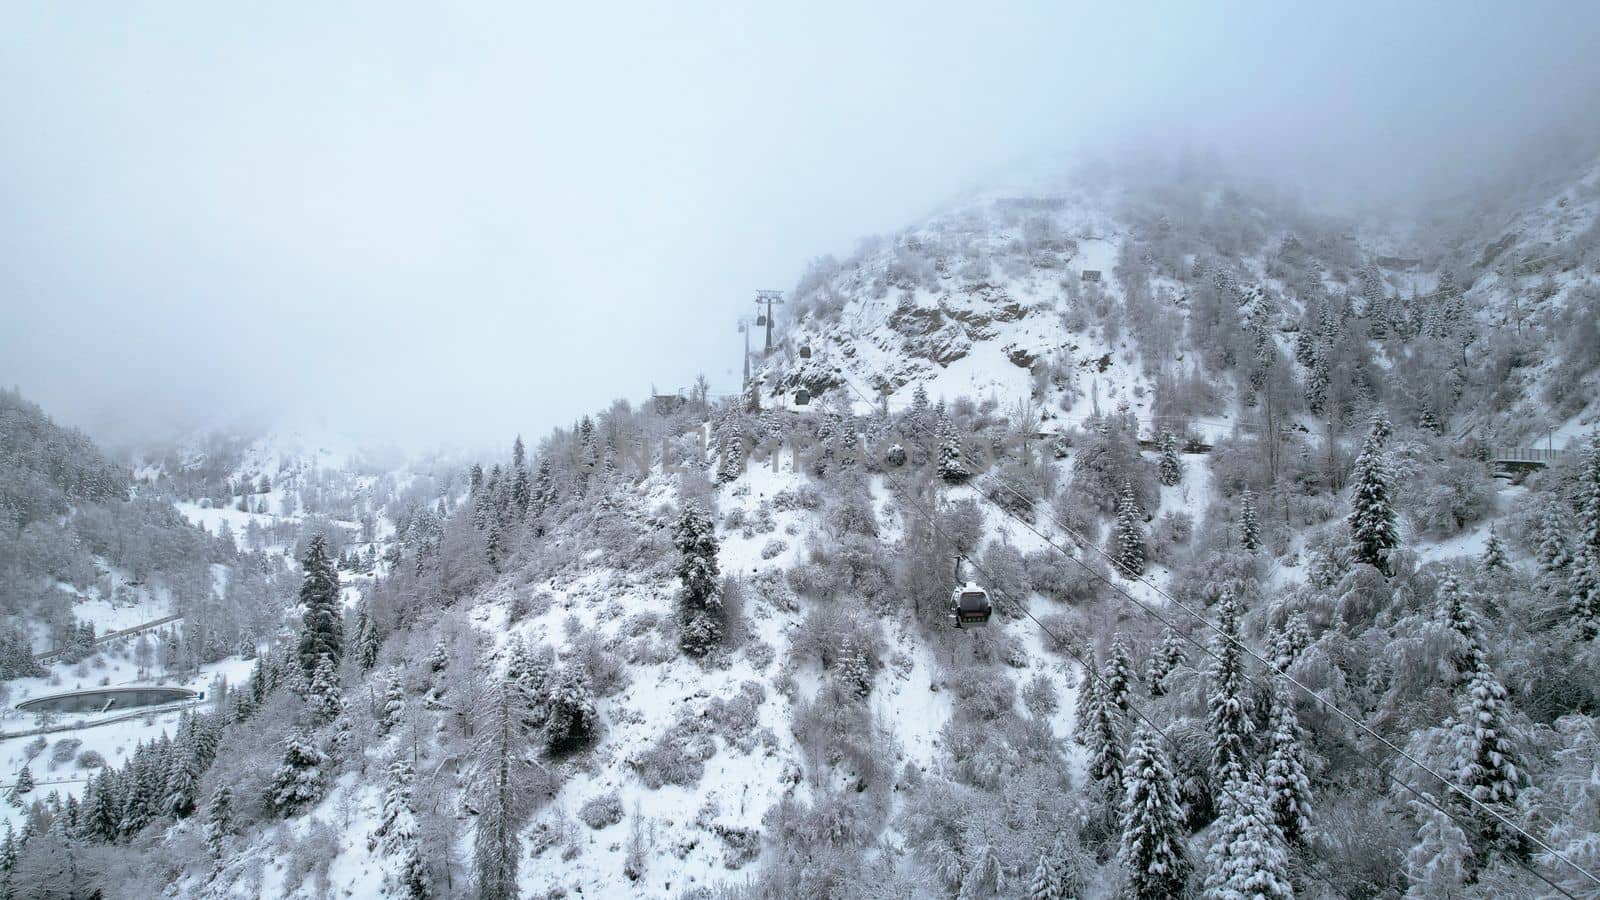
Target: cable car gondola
(805, 352)
(969, 604)
(802, 397)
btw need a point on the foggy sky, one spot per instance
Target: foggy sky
(455, 226)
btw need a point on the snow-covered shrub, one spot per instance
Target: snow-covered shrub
(1445, 498)
(91, 759)
(1006, 577)
(63, 751)
(743, 845)
(678, 756)
(982, 693)
(804, 496)
(1021, 490)
(773, 548)
(602, 811)
(760, 654)
(1171, 532)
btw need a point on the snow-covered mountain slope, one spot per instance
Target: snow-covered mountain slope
(704, 650)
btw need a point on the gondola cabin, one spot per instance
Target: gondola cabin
(969, 605)
(805, 352)
(802, 397)
(761, 320)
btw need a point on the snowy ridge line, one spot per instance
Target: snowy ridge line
(1100, 679)
(1273, 672)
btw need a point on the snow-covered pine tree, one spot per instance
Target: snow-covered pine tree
(322, 631)
(1249, 521)
(1154, 846)
(1553, 553)
(1127, 536)
(1105, 745)
(570, 717)
(1494, 555)
(1083, 709)
(1054, 878)
(396, 821)
(1487, 759)
(1288, 788)
(439, 658)
(1457, 614)
(1289, 641)
(394, 703)
(183, 773)
(700, 601)
(918, 412)
(521, 488)
(323, 694)
(505, 780)
(543, 488)
(1439, 864)
(1373, 532)
(1117, 676)
(853, 669)
(1228, 704)
(367, 640)
(952, 468)
(1171, 465)
(1166, 659)
(22, 786)
(219, 823)
(732, 456)
(1247, 858)
(298, 781)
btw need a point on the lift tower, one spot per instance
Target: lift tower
(769, 298)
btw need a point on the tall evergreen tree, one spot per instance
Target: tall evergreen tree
(1585, 587)
(323, 694)
(1127, 536)
(501, 793)
(368, 641)
(1118, 676)
(1171, 465)
(1167, 658)
(1553, 553)
(1456, 613)
(700, 600)
(1247, 859)
(1228, 705)
(219, 823)
(1373, 533)
(1289, 641)
(1105, 745)
(1487, 760)
(394, 703)
(298, 782)
(1249, 521)
(1054, 878)
(1494, 554)
(1153, 849)
(1083, 710)
(1288, 788)
(322, 631)
(952, 468)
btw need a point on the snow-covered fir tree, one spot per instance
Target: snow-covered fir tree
(952, 468)
(298, 782)
(570, 716)
(1487, 760)
(1154, 845)
(1289, 641)
(1228, 712)
(393, 707)
(1104, 741)
(1127, 535)
(1440, 863)
(1554, 552)
(322, 630)
(1171, 465)
(1585, 582)
(1055, 878)
(324, 695)
(1171, 654)
(1247, 859)
(367, 640)
(1249, 521)
(1373, 532)
(1288, 788)
(1457, 614)
(1117, 677)
(699, 600)
(219, 823)
(1083, 711)
(1494, 560)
